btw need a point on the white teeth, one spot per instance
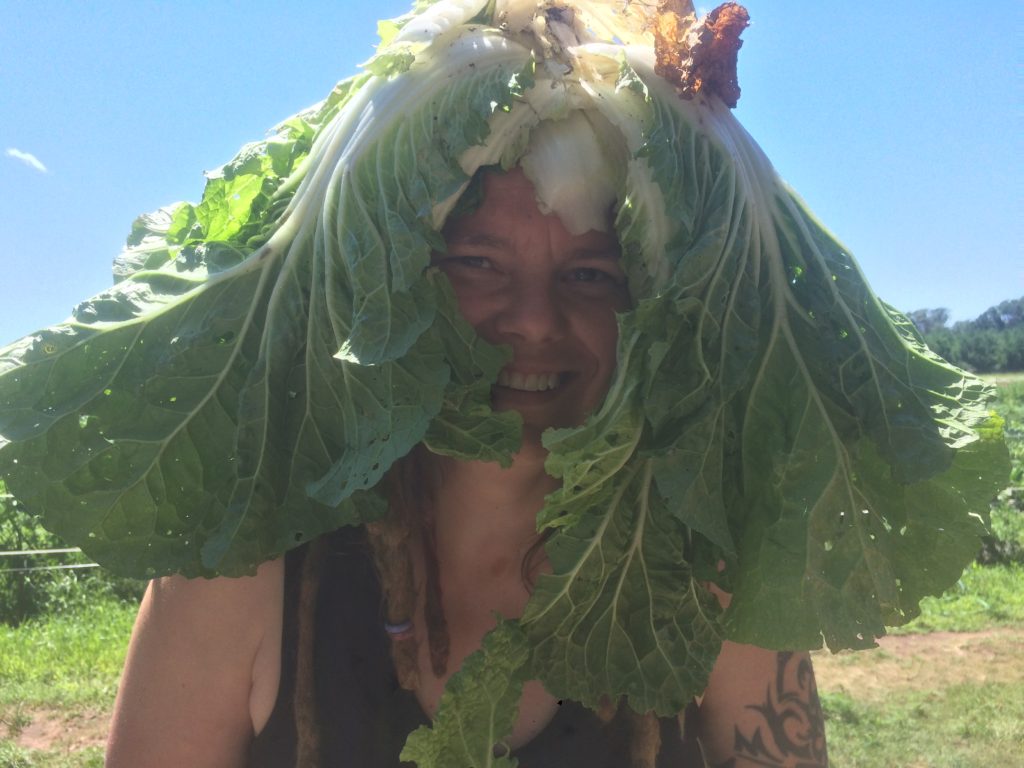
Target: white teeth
(530, 382)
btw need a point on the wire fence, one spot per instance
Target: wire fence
(29, 553)
(66, 567)
(66, 550)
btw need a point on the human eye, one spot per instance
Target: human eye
(602, 280)
(473, 262)
(592, 275)
(599, 276)
(455, 261)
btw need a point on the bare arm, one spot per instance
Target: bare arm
(761, 708)
(202, 672)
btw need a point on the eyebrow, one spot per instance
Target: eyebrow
(611, 254)
(487, 240)
(481, 238)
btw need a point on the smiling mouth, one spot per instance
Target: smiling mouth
(528, 382)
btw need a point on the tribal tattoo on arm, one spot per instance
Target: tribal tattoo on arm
(791, 732)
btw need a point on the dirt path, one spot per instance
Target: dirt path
(53, 730)
(923, 662)
(900, 662)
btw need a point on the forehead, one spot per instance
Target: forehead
(508, 193)
(509, 209)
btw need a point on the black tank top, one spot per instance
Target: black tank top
(365, 716)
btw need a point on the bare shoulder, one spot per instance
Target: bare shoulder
(202, 670)
(217, 604)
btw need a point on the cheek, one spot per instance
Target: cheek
(603, 332)
(472, 307)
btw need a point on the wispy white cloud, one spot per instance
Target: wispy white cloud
(27, 158)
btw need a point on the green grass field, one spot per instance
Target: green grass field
(984, 598)
(58, 678)
(963, 725)
(946, 691)
(1015, 377)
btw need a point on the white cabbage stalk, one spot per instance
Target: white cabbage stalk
(436, 19)
(576, 175)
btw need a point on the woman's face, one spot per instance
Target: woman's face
(522, 280)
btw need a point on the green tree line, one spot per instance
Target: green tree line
(991, 343)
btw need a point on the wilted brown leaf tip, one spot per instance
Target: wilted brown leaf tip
(700, 57)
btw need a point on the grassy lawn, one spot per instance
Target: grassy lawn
(1016, 377)
(984, 598)
(957, 726)
(946, 691)
(58, 678)
(74, 659)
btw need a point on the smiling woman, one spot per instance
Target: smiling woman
(522, 280)
(504, 405)
(458, 550)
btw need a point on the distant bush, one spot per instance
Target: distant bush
(1010, 404)
(991, 343)
(1005, 544)
(28, 593)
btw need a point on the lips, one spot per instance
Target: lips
(528, 382)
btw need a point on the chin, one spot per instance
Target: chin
(533, 433)
(531, 450)
(540, 411)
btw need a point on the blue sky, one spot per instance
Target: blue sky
(898, 123)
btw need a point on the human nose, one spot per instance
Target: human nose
(531, 312)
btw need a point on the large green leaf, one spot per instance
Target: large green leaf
(203, 415)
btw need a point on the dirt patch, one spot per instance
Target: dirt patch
(52, 730)
(923, 662)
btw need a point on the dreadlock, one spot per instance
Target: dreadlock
(410, 522)
(306, 726)
(644, 730)
(644, 738)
